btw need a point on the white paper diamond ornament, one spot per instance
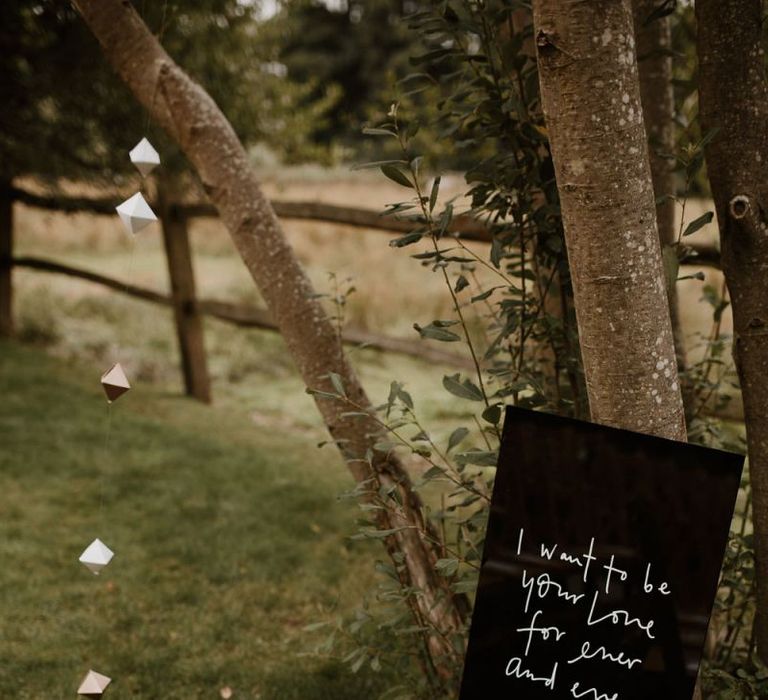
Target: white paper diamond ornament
(93, 685)
(114, 382)
(135, 213)
(96, 556)
(144, 157)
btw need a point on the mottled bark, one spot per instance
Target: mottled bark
(733, 98)
(192, 118)
(591, 100)
(654, 45)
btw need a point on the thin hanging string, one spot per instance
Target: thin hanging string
(164, 21)
(130, 272)
(129, 278)
(103, 481)
(106, 463)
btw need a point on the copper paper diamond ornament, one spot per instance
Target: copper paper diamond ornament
(144, 157)
(96, 556)
(94, 684)
(135, 213)
(115, 382)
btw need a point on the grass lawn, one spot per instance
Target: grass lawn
(229, 539)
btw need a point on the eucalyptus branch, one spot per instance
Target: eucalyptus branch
(445, 469)
(456, 305)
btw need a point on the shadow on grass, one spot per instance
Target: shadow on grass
(229, 540)
(331, 681)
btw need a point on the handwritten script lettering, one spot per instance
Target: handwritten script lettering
(515, 668)
(596, 609)
(591, 693)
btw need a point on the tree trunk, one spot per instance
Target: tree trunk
(187, 316)
(193, 119)
(591, 100)
(733, 98)
(6, 260)
(654, 44)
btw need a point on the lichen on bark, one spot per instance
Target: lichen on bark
(591, 98)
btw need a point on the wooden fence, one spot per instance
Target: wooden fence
(188, 309)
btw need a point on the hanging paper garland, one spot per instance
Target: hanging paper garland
(94, 684)
(144, 157)
(96, 556)
(114, 382)
(136, 215)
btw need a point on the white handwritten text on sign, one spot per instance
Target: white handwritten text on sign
(538, 589)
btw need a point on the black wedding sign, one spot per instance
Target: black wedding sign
(601, 563)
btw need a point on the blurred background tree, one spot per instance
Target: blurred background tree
(66, 115)
(358, 48)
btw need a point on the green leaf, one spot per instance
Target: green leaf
(456, 437)
(375, 131)
(699, 223)
(436, 332)
(374, 534)
(445, 219)
(337, 383)
(666, 7)
(321, 394)
(404, 396)
(396, 175)
(461, 283)
(357, 665)
(377, 164)
(447, 567)
(492, 414)
(385, 445)
(433, 193)
(433, 473)
(408, 239)
(480, 458)
(484, 295)
(463, 389)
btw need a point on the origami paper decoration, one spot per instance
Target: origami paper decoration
(94, 684)
(144, 157)
(115, 382)
(135, 213)
(96, 556)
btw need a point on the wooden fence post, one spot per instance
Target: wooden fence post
(189, 321)
(6, 259)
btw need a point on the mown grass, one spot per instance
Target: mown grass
(229, 540)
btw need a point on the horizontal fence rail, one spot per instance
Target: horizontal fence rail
(469, 227)
(466, 226)
(246, 316)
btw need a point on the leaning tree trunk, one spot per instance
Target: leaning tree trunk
(733, 98)
(654, 62)
(193, 119)
(592, 107)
